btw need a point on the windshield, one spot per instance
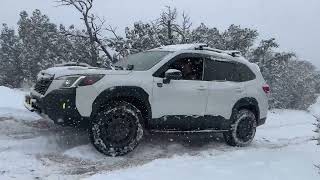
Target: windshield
(145, 60)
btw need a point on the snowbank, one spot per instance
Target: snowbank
(11, 104)
(315, 109)
(11, 98)
(264, 164)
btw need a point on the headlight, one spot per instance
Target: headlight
(79, 80)
(90, 79)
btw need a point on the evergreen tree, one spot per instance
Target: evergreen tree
(141, 37)
(11, 66)
(293, 82)
(39, 38)
(237, 38)
(72, 47)
(210, 36)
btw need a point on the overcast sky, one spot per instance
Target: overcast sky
(294, 23)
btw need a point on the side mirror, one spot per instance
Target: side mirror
(172, 74)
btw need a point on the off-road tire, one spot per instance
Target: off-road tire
(242, 130)
(116, 130)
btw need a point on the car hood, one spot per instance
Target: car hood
(77, 70)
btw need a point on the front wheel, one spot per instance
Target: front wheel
(242, 130)
(116, 130)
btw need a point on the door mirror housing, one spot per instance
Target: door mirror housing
(172, 74)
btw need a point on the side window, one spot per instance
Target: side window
(216, 70)
(191, 68)
(245, 73)
(220, 71)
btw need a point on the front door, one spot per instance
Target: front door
(186, 97)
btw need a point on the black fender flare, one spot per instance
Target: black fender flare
(128, 93)
(249, 103)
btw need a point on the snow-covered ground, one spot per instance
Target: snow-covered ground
(35, 148)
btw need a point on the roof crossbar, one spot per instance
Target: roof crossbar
(233, 53)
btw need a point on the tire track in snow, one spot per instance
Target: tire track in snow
(68, 158)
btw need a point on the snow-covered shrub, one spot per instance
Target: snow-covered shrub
(293, 81)
(318, 131)
(318, 135)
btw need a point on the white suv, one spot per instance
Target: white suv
(180, 88)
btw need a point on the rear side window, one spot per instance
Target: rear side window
(219, 71)
(216, 70)
(245, 73)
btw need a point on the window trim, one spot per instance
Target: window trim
(237, 65)
(217, 60)
(165, 67)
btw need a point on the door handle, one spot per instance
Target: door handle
(239, 89)
(201, 88)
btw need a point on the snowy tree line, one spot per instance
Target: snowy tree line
(38, 44)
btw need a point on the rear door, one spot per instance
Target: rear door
(225, 88)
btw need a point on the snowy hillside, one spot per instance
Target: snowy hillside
(34, 148)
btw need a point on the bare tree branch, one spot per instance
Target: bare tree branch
(113, 31)
(184, 29)
(92, 27)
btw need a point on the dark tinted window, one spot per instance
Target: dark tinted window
(219, 71)
(191, 68)
(227, 71)
(245, 73)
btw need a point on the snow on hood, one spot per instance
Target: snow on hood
(74, 70)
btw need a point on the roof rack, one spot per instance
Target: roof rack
(73, 64)
(233, 53)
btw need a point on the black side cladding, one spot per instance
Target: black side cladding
(250, 104)
(131, 94)
(190, 123)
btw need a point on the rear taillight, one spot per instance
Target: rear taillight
(266, 88)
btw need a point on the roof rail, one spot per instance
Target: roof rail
(233, 53)
(73, 64)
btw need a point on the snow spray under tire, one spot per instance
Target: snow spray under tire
(116, 130)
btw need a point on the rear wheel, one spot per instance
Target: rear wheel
(116, 130)
(243, 129)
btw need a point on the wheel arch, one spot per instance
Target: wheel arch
(248, 103)
(131, 94)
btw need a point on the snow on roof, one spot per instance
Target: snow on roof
(234, 54)
(179, 47)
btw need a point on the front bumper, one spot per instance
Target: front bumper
(59, 105)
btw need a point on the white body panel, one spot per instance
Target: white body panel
(222, 96)
(254, 89)
(140, 79)
(180, 97)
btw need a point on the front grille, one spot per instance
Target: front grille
(42, 85)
